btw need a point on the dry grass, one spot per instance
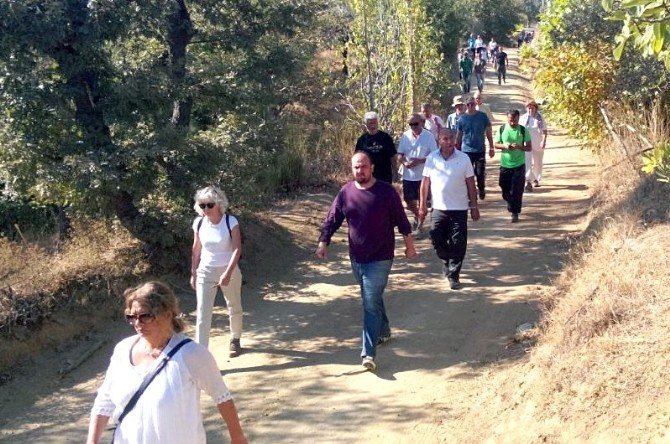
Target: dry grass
(43, 294)
(600, 371)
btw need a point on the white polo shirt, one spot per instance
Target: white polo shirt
(416, 148)
(447, 180)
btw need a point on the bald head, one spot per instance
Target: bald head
(361, 168)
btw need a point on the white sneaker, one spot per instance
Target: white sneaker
(369, 363)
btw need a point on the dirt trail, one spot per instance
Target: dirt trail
(300, 379)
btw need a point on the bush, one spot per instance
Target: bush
(29, 216)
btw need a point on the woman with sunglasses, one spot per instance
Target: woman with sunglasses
(217, 245)
(168, 410)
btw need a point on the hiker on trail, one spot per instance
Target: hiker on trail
(433, 121)
(372, 209)
(501, 64)
(217, 246)
(534, 122)
(493, 48)
(448, 176)
(471, 45)
(480, 70)
(459, 109)
(379, 146)
(473, 129)
(167, 410)
(466, 71)
(483, 107)
(479, 43)
(415, 145)
(514, 141)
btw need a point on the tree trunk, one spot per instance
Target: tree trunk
(180, 31)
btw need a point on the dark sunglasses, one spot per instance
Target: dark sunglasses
(209, 205)
(414, 124)
(143, 318)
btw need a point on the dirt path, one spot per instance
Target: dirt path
(300, 379)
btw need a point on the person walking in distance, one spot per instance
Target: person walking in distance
(379, 146)
(534, 122)
(473, 128)
(480, 70)
(415, 145)
(433, 121)
(501, 64)
(514, 141)
(449, 177)
(372, 209)
(459, 109)
(466, 71)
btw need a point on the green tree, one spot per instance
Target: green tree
(115, 106)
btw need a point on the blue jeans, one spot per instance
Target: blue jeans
(372, 278)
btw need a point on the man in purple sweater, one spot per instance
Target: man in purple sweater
(372, 209)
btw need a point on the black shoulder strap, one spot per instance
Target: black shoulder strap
(230, 232)
(200, 224)
(147, 380)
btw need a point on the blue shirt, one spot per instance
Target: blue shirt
(473, 128)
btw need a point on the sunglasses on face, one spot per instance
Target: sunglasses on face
(142, 318)
(209, 205)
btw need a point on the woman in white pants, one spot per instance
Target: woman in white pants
(217, 245)
(534, 122)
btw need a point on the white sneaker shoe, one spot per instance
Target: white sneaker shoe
(369, 363)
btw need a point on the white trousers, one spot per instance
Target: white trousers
(205, 291)
(534, 165)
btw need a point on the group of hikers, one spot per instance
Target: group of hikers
(153, 383)
(475, 58)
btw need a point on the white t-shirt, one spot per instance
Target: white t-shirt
(447, 180)
(433, 124)
(168, 412)
(217, 244)
(416, 148)
(536, 127)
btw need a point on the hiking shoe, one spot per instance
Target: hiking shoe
(529, 186)
(369, 363)
(455, 284)
(536, 184)
(515, 218)
(235, 348)
(384, 339)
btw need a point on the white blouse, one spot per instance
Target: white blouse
(169, 409)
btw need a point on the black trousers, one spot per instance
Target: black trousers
(479, 165)
(449, 233)
(512, 181)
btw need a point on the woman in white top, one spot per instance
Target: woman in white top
(535, 124)
(168, 411)
(217, 245)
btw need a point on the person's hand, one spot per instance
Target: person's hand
(492, 152)
(410, 252)
(224, 280)
(239, 440)
(193, 281)
(422, 213)
(321, 250)
(474, 213)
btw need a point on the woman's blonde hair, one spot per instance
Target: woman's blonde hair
(210, 194)
(158, 298)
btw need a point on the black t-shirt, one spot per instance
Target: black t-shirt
(502, 59)
(381, 150)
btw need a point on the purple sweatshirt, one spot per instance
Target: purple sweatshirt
(371, 214)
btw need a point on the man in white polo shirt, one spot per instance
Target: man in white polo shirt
(448, 175)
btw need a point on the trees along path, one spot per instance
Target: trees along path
(300, 379)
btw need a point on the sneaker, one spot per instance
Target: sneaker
(235, 348)
(536, 184)
(482, 195)
(529, 186)
(515, 218)
(455, 284)
(369, 363)
(384, 339)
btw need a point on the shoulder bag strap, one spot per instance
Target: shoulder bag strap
(147, 380)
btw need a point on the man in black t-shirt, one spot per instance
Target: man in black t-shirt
(379, 146)
(501, 61)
